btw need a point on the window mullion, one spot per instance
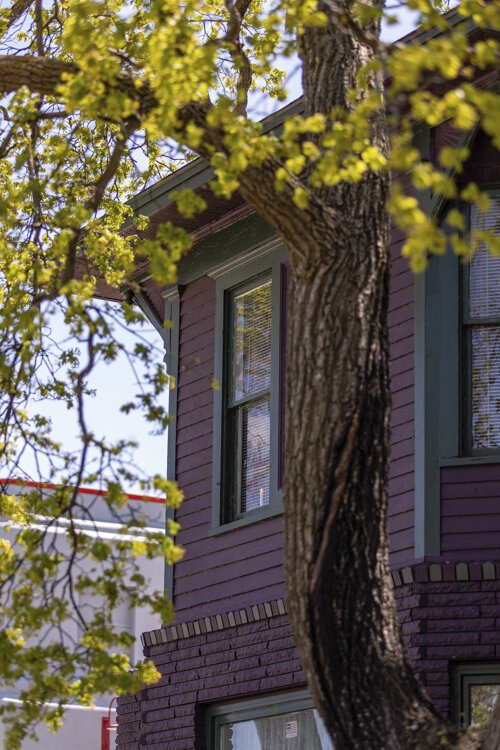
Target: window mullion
(249, 399)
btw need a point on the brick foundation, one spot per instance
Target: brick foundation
(248, 652)
(446, 623)
(230, 663)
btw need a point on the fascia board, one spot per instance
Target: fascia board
(198, 172)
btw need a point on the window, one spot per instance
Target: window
(477, 688)
(248, 396)
(247, 404)
(481, 320)
(283, 722)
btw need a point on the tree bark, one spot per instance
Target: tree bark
(340, 595)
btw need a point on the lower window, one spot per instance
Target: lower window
(477, 689)
(284, 722)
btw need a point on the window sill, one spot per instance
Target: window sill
(254, 516)
(491, 458)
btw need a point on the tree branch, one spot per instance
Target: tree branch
(237, 12)
(43, 75)
(19, 7)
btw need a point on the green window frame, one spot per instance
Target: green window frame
(264, 267)
(443, 404)
(474, 689)
(480, 341)
(286, 706)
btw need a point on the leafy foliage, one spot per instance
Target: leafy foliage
(102, 97)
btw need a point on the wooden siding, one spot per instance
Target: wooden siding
(401, 337)
(244, 566)
(470, 512)
(235, 568)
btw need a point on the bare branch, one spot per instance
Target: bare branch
(17, 10)
(39, 28)
(240, 59)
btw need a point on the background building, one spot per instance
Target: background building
(83, 727)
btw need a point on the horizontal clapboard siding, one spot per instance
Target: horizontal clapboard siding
(239, 567)
(401, 338)
(244, 566)
(470, 512)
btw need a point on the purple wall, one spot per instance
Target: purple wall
(237, 567)
(470, 512)
(244, 658)
(244, 566)
(401, 337)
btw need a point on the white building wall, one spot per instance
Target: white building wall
(82, 726)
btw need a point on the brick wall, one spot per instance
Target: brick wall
(446, 623)
(231, 662)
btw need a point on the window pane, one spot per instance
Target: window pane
(301, 730)
(255, 443)
(485, 386)
(482, 701)
(252, 342)
(484, 286)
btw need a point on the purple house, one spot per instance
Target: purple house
(231, 676)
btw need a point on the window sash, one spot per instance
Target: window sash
(291, 703)
(241, 484)
(234, 488)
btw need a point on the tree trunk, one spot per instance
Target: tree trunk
(336, 555)
(341, 601)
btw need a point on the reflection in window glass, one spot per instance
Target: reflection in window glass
(256, 433)
(248, 439)
(482, 700)
(300, 730)
(486, 386)
(252, 342)
(483, 319)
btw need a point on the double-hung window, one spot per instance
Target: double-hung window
(481, 324)
(248, 368)
(248, 396)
